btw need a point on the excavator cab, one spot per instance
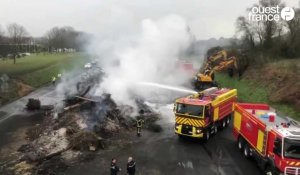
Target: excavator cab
(202, 81)
(205, 80)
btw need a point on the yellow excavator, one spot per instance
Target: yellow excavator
(215, 63)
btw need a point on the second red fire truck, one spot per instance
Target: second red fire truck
(273, 141)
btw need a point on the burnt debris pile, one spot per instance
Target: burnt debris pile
(81, 128)
(33, 104)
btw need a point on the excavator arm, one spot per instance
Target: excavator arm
(219, 55)
(225, 64)
(219, 62)
(215, 63)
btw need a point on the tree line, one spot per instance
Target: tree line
(269, 39)
(16, 39)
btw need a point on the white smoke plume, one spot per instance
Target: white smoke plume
(150, 55)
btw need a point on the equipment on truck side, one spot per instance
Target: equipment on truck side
(215, 63)
(200, 115)
(273, 141)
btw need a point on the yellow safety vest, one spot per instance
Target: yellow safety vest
(139, 123)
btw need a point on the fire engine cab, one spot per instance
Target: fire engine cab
(273, 141)
(200, 115)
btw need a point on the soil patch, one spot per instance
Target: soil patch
(23, 89)
(281, 78)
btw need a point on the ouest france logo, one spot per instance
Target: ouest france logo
(271, 13)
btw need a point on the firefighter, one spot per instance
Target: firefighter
(139, 123)
(131, 166)
(114, 169)
(53, 80)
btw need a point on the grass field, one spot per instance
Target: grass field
(250, 91)
(36, 70)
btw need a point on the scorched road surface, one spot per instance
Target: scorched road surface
(14, 120)
(155, 153)
(165, 154)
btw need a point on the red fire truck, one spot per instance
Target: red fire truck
(273, 141)
(200, 115)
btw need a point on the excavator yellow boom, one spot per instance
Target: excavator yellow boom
(215, 63)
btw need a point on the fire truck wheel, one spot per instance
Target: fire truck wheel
(224, 123)
(240, 143)
(215, 129)
(246, 151)
(228, 120)
(207, 135)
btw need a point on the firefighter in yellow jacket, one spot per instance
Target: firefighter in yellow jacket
(53, 80)
(139, 123)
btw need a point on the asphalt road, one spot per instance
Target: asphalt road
(155, 153)
(14, 120)
(46, 94)
(165, 154)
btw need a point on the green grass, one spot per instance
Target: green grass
(37, 70)
(252, 92)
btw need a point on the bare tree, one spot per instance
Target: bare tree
(294, 26)
(65, 37)
(293, 40)
(17, 35)
(256, 28)
(52, 37)
(259, 32)
(275, 38)
(58, 37)
(261, 35)
(1, 35)
(270, 27)
(244, 27)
